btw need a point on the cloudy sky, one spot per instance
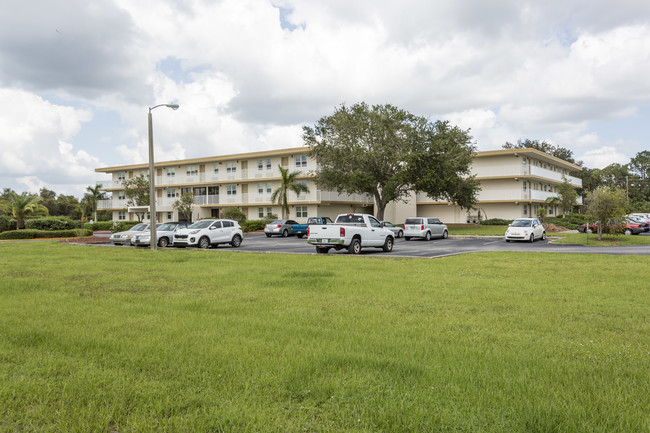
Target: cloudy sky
(77, 77)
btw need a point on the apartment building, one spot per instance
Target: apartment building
(514, 183)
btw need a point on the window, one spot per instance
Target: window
(301, 211)
(260, 212)
(268, 187)
(260, 164)
(231, 189)
(231, 167)
(213, 190)
(216, 168)
(199, 190)
(301, 161)
(373, 222)
(121, 215)
(171, 192)
(191, 170)
(260, 188)
(268, 163)
(525, 209)
(121, 195)
(524, 185)
(228, 224)
(269, 211)
(144, 173)
(121, 176)
(170, 215)
(171, 172)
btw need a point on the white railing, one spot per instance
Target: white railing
(111, 204)
(201, 200)
(346, 198)
(555, 175)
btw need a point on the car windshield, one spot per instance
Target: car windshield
(166, 227)
(201, 224)
(138, 227)
(522, 223)
(413, 221)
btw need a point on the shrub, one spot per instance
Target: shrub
(496, 222)
(267, 219)
(52, 223)
(253, 225)
(36, 234)
(7, 223)
(234, 213)
(122, 226)
(102, 225)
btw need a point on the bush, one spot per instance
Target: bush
(267, 219)
(7, 223)
(496, 222)
(52, 223)
(234, 213)
(36, 234)
(122, 226)
(253, 225)
(102, 225)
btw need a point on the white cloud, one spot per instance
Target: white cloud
(602, 157)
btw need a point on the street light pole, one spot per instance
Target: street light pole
(153, 243)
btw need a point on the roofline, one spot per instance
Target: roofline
(530, 151)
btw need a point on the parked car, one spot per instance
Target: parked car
(397, 231)
(125, 237)
(525, 229)
(164, 232)
(424, 227)
(283, 228)
(643, 222)
(209, 232)
(629, 228)
(352, 232)
(319, 220)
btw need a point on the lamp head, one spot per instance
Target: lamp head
(173, 106)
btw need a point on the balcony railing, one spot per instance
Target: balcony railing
(111, 204)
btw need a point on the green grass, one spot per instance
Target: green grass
(592, 239)
(99, 339)
(474, 230)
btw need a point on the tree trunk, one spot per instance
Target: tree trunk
(600, 232)
(381, 207)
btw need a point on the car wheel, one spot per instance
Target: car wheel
(532, 238)
(400, 234)
(236, 241)
(268, 235)
(163, 242)
(627, 232)
(543, 236)
(388, 245)
(204, 242)
(355, 246)
(507, 240)
(285, 233)
(427, 236)
(407, 238)
(322, 250)
(445, 234)
(300, 236)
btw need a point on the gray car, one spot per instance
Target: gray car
(125, 237)
(424, 227)
(398, 231)
(282, 228)
(164, 232)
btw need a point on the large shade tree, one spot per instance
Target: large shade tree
(388, 153)
(23, 206)
(288, 182)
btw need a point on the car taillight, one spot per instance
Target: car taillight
(266, 226)
(422, 227)
(307, 231)
(279, 226)
(342, 232)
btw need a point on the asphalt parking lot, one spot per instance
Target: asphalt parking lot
(258, 242)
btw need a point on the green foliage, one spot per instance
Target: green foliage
(543, 146)
(122, 226)
(253, 225)
(24, 206)
(101, 225)
(288, 182)
(42, 234)
(496, 222)
(52, 223)
(234, 213)
(267, 219)
(607, 206)
(7, 223)
(184, 206)
(387, 153)
(136, 191)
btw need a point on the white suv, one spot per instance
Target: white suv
(424, 227)
(210, 232)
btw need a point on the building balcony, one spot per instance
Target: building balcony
(111, 204)
(524, 170)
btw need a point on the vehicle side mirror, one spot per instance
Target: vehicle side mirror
(381, 225)
(212, 227)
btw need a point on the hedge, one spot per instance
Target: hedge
(7, 223)
(253, 225)
(36, 234)
(101, 225)
(496, 222)
(122, 226)
(52, 223)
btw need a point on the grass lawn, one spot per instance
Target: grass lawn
(592, 239)
(474, 230)
(97, 339)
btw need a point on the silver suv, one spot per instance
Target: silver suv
(424, 227)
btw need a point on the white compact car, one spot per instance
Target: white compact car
(424, 227)
(126, 237)
(210, 232)
(164, 232)
(525, 229)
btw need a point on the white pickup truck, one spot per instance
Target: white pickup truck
(353, 232)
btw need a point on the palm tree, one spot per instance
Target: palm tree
(95, 194)
(23, 206)
(287, 183)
